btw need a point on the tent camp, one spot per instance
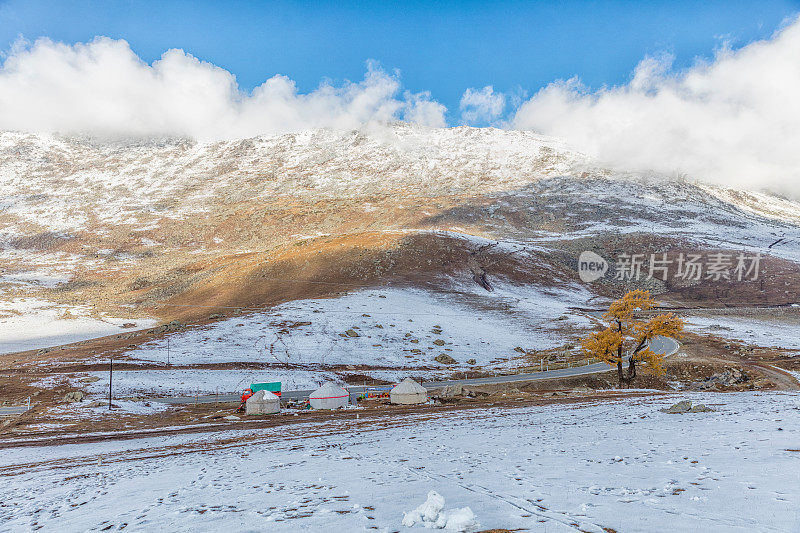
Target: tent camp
(329, 396)
(263, 402)
(408, 392)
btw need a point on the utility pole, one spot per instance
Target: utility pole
(110, 379)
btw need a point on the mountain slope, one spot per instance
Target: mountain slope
(173, 229)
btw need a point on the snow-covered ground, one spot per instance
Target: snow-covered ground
(706, 216)
(621, 465)
(401, 330)
(768, 333)
(395, 327)
(188, 382)
(31, 323)
(79, 411)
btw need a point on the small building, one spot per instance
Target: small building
(262, 402)
(408, 392)
(329, 396)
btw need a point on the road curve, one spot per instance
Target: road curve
(14, 410)
(663, 345)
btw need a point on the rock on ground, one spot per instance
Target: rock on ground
(74, 396)
(445, 359)
(685, 406)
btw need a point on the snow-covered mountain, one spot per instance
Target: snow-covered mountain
(65, 184)
(171, 228)
(70, 185)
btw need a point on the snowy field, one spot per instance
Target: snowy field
(759, 332)
(32, 323)
(189, 382)
(395, 328)
(400, 331)
(621, 465)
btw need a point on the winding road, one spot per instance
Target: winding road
(663, 345)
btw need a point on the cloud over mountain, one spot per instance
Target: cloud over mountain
(104, 88)
(482, 105)
(733, 120)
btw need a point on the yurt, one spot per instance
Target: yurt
(408, 392)
(329, 396)
(263, 402)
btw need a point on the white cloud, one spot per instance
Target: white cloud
(733, 121)
(103, 87)
(420, 109)
(481, 106)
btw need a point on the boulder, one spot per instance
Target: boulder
(727, 378)
(450, 391)
(445, 359)
(683, 406)
(700, 408)
(352, 333)
(703, 385)
(759, 383)
(74, 396)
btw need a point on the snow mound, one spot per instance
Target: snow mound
(432, 516)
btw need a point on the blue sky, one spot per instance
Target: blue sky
(441, 47)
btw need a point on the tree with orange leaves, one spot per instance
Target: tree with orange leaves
(627, 337)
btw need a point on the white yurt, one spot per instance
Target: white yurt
(262, 402)
(408, 392)
(329, 396)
